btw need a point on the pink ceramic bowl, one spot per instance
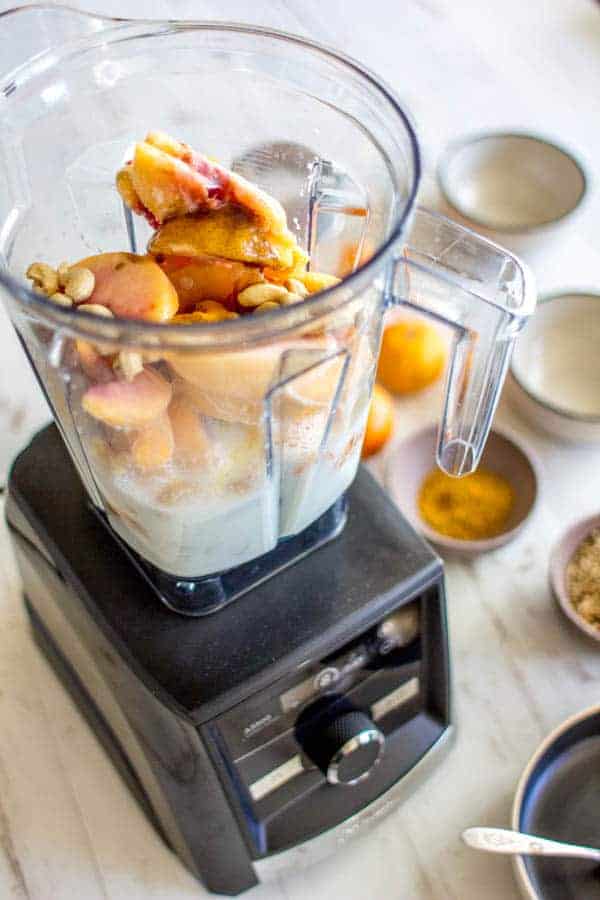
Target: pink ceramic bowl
(412, 458)
(559, 560)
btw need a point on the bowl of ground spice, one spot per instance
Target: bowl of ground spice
(575, 575)
(468, 515)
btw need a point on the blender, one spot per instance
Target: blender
(256, 634)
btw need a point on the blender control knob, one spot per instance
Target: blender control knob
(399, 628)
(345, 746)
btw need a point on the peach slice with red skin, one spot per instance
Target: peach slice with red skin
(167, 178)
(133, 287)
(129, 404)
(153, 445)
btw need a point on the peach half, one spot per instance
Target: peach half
(134, 287)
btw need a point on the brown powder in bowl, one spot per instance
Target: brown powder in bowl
(583, 579)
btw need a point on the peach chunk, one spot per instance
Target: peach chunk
(93, 364)
(207, 311)
(191, 440)
(134, 287)
(230, 232)
(129, 404)
(317, 281)
(153, 445)
(232, 385)
(166, 178)
(208, 278)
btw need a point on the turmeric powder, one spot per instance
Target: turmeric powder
(472, 508)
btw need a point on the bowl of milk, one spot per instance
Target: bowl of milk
(555, 370)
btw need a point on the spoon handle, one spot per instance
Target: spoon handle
(501, 840)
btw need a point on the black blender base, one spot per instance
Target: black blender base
(202, 596)
(199, 714)
(70, 680)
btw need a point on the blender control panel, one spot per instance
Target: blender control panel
(392, 644)
(347, 724)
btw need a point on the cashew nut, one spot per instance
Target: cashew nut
(43, 277)
(266, 307)
(130, 363)
(97, 309)
(296, 287)
(63, 270)
(80, 284)
(257, 294)
(61, 299)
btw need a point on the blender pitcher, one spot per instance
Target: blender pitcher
(250, 430)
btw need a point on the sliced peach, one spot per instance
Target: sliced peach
(317, 281)
(165, 184)
(207, 311)
(232, 386)
(208, 278)
(93, 364)
(167, 143)
(230, 232)
(191, 440)
(127, 191)
(166, 178)
(153, 445)
(129, 404)
(297, 269)
(134, 287)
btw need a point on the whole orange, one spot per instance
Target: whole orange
(413, 356)
(380, 421)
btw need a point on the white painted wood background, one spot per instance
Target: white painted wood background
(68, 828)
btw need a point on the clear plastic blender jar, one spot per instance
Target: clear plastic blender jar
(265, 414)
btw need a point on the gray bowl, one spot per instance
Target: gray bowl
(413, 458)
(560, 556)
(512, 182)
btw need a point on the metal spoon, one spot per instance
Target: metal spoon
(501, 840)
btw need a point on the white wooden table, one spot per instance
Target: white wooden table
(69, 829)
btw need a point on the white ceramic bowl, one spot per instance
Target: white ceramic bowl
(555, 369)
(520, 189)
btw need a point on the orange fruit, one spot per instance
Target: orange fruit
(380, 421)
(413, 356)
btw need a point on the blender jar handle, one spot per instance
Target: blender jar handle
(485, 295)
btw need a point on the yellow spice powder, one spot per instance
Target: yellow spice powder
(472, 508)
